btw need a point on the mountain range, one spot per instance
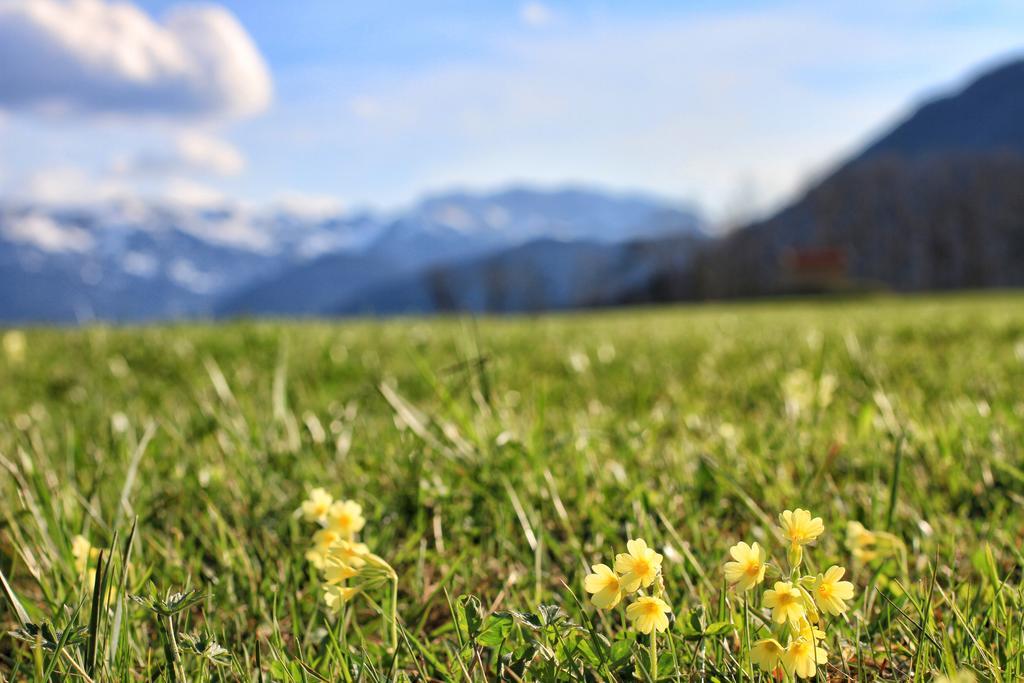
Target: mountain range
(136, 261)
(936, 202)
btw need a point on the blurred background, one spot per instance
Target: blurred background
(161, 160)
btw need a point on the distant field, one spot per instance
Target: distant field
(499, 459)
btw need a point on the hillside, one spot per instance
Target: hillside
(538, 276)
(935, 203)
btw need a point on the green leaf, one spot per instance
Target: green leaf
(719, 628)
(495, 630)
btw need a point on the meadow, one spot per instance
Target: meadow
(152, 482)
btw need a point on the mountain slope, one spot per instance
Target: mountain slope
(541, 275)
(986, 116)
(935, 203)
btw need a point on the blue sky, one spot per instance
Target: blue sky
(732, 105)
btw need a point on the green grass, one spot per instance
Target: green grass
(495, 461)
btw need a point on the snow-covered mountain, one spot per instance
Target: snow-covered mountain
(453, 228)
(132, 260)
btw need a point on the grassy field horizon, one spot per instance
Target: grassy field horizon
(496, 460)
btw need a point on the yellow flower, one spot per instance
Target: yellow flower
(335, 596)
(767, 654)
(349, 552)
(322, 541)
(605, 586)
(830, 593)
(14, 345)
(958, 677)
(799, 528)
(639, 567)
(84, 553)
(786, 603)
(806, 630)
(649, 613)
(861, 541)
(344, 560)
(315, 508)
(346, 517)
(747, 569)
(336, 572)
(803, 656)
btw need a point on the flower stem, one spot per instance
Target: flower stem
(394, 613)
(654, 654)
(746, 633)
(173, 656)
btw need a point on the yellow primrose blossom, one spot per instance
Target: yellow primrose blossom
(322, 541)
(349, 552)
(803, 656)
(810, 609)
(344, 560)
(346, 517)
(807, 630)
(605, 586)
(767, 654)
(316, 507)
(14, 345)
(786, 603)
(866, 545)
(747, 569)
(799, 528)
(336, 571)
(335, 596)
(84, 553)
(861, 541)
(639, 567)
(830, 593)
(648, 614)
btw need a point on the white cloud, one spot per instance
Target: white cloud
(66, 186)
(535, 14)
(94, 56)
(307, 205)
(203, 152)
(193, 151)
(696, 106)
(188, 192)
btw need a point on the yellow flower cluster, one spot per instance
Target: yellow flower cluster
(340, 520)
(638, 570)
(796, 604)
(347, 566)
